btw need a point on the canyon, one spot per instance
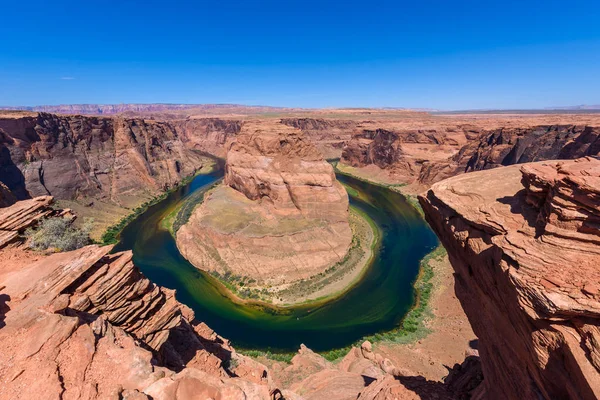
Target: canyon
(520, 230)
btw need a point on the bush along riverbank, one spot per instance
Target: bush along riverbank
(411, 329)
(111, 235)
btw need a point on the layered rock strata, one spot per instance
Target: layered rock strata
(280, 215)
(427, 156)
(525, 246)
(76, 157)
(15, 219)
(87, 324)
(509, 146)
(400, 154)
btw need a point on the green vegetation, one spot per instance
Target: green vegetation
(284, 357)
(411, 329)
(59, 234)
(111, 235)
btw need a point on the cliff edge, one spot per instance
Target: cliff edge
(524, 243)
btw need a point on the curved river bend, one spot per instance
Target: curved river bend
(377, 303)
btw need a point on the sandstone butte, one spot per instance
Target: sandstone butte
(280, 215)
(87, 324)
(524, 243)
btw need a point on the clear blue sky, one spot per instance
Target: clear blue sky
(434, 54)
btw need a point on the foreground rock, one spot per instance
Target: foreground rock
(87, 324)
(524, 243)
(280, 215)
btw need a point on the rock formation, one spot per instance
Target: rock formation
(88, 324)
(7, 198)
(14, 220)
(508, 146)
(400, 153)
(524, 243)
(280, 215)
(208, 134)
(73, 157)
(328, 135)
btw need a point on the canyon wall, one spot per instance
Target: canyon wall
(508, 146)
(431, 155)
(76, 157)
(525, 246)
(329, 135)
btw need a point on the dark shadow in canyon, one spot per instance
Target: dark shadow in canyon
(4, 308)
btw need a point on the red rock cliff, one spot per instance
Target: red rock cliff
(525, 246)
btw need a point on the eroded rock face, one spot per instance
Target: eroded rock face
(15, 219)
(88, 324)
(280, 215)
(401, 153)
(75, 157)
(278, 165)
(525, 247)
(7, 198)
(509, 146)
(208, 134)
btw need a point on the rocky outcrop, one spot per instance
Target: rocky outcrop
(509, 146)
(524, 243)
(278, 165)
(88, 324)
(6, 196)
(400, 154)
(280, 215)
(77, 157)
(14, 220)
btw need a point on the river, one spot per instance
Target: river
(377, 303)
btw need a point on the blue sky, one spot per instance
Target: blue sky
(425, 54)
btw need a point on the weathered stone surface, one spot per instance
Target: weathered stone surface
(508, 146)
(14, 220)
(277, 164)
(74, 157)
(280, 215)
(208, 134)
(524, 245)
(87, 324)
(7, 198)
(401, 153)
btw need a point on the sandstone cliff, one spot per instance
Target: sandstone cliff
(508, 146)
(280, 215)
(74, 157)
(399, 154)
(328, 135)
(426, 156)
(7, 198)
(524, 243)
(208, 134)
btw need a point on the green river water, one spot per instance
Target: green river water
(377, 303)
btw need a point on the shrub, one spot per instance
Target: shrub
(59, 234)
